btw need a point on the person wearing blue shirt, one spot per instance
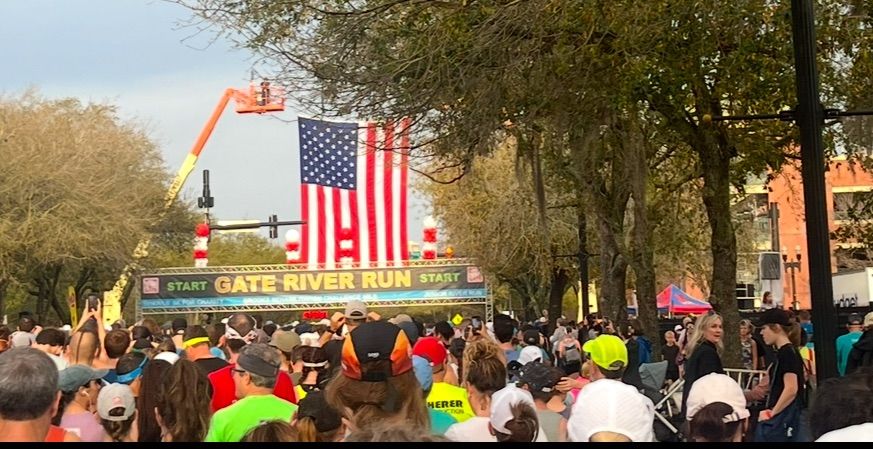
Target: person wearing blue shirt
(845, 342)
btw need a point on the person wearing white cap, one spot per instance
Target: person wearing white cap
(717, 410)
(116, 407)
(610, 411)
(514, 417)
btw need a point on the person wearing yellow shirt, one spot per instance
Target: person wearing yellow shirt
(443, 396)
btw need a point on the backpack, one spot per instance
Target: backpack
(572, 354)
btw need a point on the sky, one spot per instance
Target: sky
(136, 55)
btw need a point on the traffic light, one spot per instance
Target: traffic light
(274, 229)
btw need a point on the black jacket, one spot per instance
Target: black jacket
(862, 353)
(705, 360)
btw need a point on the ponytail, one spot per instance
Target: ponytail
(523, 427)
(708, 424)
(306, 431)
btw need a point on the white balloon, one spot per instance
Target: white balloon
(429, 222)
(292, 235)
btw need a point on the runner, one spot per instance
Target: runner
(196, 343)
(80, 387)
(255, 377)
(317, 421)
(377, 385)
(608, 410)
(485, 374)
(717, 410)
(153, 376)
(116, 407)
(541, 381)
(440, 421)
(513, 416)
(443, 396)
(182, 407)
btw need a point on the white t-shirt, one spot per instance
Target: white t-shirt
(59, 362)
(475, 430)
(860, 433)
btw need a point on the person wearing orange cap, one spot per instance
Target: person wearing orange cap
(443, 396)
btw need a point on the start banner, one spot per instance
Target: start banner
(263, 288)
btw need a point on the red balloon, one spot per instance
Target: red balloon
(429, 255)
(199, 254)
(292, 246)
(430, 235)
(202, 230)
(345, 234)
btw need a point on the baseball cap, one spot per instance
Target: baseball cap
(372, 342)
(855, 319)
(179, 324)
(716, 387)
(356, 310)
(540, 377)
(529, 354)
(400, 318)
(115, 396)
(531, 337)
(22, 340)
(315, 406)
(781, 317)
(169, 357)
(430, 349)
(502, 402)
(410, 329)
(678, 328)
(606, 351)
(608, 405)
(285, 341)
(310, 339)
(75, 376)
(868, 320)
(423, 372)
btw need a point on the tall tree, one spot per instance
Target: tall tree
(80, 188)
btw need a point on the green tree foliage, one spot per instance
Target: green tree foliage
(79, 189)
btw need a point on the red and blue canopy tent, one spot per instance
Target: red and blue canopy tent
(674, 301)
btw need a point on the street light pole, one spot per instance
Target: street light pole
(792, 266)
(810, 115)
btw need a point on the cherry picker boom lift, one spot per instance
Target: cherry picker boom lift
(256, 99)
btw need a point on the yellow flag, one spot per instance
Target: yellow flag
(71, 302)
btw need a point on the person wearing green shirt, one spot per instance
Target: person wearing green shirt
(845, 342)
(440, 421)
(254, 377)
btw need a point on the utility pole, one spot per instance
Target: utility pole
(810, 116)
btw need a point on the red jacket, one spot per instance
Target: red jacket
(224, 390)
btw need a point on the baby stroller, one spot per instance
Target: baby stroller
(653, 376)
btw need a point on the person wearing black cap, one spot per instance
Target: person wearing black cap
(541, 381)
(317, 421)
(178, 326)
(847, 341)
(780, 421)
(254, 376)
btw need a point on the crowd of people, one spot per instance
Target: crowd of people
(358, 377)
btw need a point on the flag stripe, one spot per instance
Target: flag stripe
(314, 228)
(359, 199)
(304, 234)
(404, 160)
(379, 198)
(388, 189)
(337, 222)
(371, 192)
(322, 221)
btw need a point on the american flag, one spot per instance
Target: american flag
(353, 193)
